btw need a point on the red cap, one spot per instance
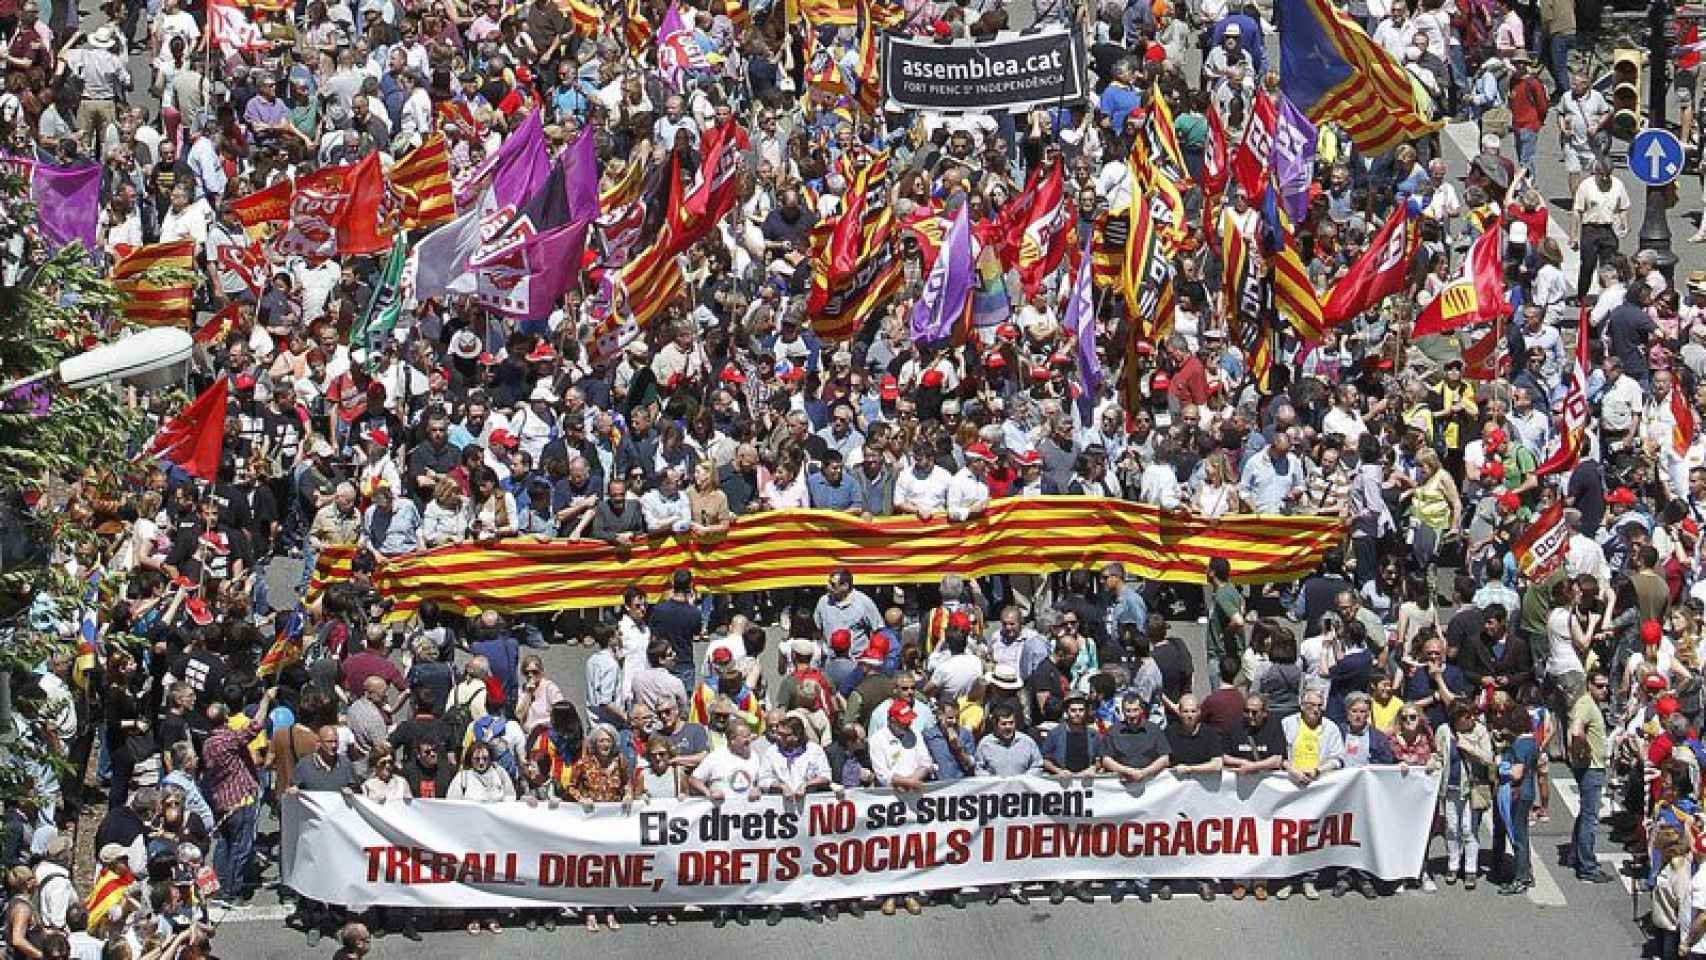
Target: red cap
(244, 383)
(1155, 53)
(876, 650)
(901, 712)
(1667, 705)
(732, 374)
(1159, 381)
(1651, 632)
(1007, 331)
(960, 620)
(932, 378)
(941, 29)
(183, 582)
(1060, 358)
(841, 640)
(378, 435)
(542, 353)
(1690, 527)
(1510, 502)
(888, 388)
(494, 691)
(488, 359)
(1145, 348)
(994, 360)
(980, 451)
(1031, 458)
(722, 655)
(1495, 438)
(1493, 470)
(1622, 495)
(1040, 374)
(792, 374)
(198, 611)
(503, 438)
(215, 541)
(1656, 682)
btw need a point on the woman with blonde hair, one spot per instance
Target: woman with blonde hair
(1218, 494)
(599, 775)
(445, 519)
(1436, 510)
(708, 505)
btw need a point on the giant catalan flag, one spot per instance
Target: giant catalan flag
(800, 548)
(1333, 72)
(150, 298)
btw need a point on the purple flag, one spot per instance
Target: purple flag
(516, 170)
(32, 398)
(948, 288)
(580, 168)
(67, 199)
(1293, 158)
(678, 49)
(1080, 321)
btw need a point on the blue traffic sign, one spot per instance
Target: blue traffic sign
(1655, 157)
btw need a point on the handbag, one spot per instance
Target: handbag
(1496, 121)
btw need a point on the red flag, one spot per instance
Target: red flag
(195, 438)
(1046, 233)
(713, 194)
(1481, 358)
(219, 326)
(266, 205)
(1688, 46)
(1378, 273)
(1476, 295)
(1216, 161)
(1682, 432)
(1250, 159)
(1543, 546)
(364, 229)
(1573, 436)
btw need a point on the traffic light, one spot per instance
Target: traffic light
(1626, 67)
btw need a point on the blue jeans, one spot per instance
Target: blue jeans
(1526, 141)
(1518, 827)
(1590, 783)
(234, 848)
(1558, 48)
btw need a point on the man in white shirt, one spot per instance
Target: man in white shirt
(922, 490)
(901, 761)
(796, 765)
(732, 769)
(968, 493)
(187, 219)
(1619, 404)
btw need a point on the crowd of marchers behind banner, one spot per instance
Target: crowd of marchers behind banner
(185, 718)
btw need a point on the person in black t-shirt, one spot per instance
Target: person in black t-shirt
(1072, 747)
(1174, 662)
(1050, 680)
(677, 621)
(1193, 747)
(1258, 747)
(1134, 751)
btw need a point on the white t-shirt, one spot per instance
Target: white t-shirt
(1696, 903)
(1561, 657)
(721, 769)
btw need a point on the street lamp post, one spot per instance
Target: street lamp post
(1655, 221)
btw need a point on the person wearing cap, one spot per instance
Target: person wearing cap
(901, 762)
(968, 489)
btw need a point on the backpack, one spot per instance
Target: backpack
(489, 730)
(458, 717)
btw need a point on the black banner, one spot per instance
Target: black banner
(1010, 73)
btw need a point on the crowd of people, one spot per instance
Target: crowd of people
(460, 425)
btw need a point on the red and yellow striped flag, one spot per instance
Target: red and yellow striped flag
(107, 893)
(845, 13)
(151, 303)
(1336, 74)
(868, 75)
(586, 16)
(421, 180)
(795, 548)
(624, 188)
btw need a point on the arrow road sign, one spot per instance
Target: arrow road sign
(1655, 157)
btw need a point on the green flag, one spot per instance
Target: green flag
(386, 307)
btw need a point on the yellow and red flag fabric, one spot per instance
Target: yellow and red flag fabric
(796, 548)
(1682, 416)
(156, 303)
(421, 181)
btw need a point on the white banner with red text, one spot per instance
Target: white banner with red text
(863, 843)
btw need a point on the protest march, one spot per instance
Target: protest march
(469, 465)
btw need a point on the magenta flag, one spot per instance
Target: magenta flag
(516, 171)
(67, 199)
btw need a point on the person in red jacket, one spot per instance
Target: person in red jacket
(1189, 384)
(1528, 110)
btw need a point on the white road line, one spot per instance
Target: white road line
(1466, 136)
(1567, 792)
(257, 914)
